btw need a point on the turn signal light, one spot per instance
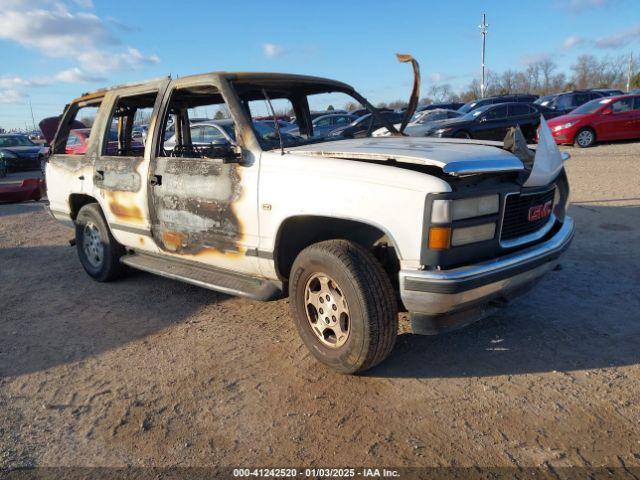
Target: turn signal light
(439, 238)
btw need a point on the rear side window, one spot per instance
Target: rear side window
(636, 103)
(621, 106)
(130, 117)
(76, 141)
(518, 110)
(496, 113)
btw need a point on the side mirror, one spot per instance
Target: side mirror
(607, 111)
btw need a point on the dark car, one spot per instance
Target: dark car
(608, 92)
(437, 106)
(366, 124)
(19, 153)
(363, 111)
(566, 101)
(516, 97)
(546, 112)
(490, 122)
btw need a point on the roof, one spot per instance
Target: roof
(231, 76)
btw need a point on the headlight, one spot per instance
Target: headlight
(562, 127)
(444, 211)
(477, 233)
(8, 155)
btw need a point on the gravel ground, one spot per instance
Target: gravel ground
(151, 372)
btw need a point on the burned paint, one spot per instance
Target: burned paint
(196, 199)
(118, 174)
(124, 207)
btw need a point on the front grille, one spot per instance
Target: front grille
(516, 214)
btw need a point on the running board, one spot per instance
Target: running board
(205, 276)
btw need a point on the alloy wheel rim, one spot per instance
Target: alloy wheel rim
(92, 244)
(584, 138)
(327, 310)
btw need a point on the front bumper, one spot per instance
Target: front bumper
(460, 295)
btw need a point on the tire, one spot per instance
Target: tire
(462, 134)
(356, 284)
(585, 138)
(98, 251)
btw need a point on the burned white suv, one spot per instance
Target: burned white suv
(352, 229)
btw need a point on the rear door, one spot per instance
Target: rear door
(492, 124)
(526, 117)
(619, 124)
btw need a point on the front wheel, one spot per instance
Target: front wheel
(462, 134)
(343, 305)
(585, 138)
(98, 251)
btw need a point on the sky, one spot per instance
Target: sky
(54, 50)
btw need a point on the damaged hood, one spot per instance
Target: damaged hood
(454, 157)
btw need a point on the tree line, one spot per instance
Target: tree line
(541, 78)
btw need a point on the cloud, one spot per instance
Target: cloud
(55, 33)
(584, 6)
(14, 81)
(272, 50)
(76, 75)
(11, 95)
(54, 30)
(572, 41)
(437, 77)
(103, 62)
(619, 39)
(534, 58)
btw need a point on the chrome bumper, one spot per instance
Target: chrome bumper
(442, 292)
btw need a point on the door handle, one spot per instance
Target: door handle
(155, 180)
(98, 176)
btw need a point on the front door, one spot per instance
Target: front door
(492, 124)
(203, 204)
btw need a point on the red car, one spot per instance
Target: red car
(78, 141)
(601, 119)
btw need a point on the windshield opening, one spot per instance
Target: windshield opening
(308, 112)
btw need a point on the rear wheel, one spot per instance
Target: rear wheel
(585, 138)
(462, 134)
(98, 251)
(343, 305)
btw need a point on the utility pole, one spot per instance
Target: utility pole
(483, 31)
(629, 71)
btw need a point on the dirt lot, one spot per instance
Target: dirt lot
(151, 372)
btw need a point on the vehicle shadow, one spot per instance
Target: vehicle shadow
(52, 313)
(17, 208)
(581, 317)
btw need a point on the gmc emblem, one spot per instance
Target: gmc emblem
(538, 212)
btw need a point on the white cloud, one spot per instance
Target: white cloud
(14, 81)
(55, 33)
(619, 39)
(271, 50)
(572, 41)
(54, 30)
(585, 6)
(103, 62)
(534, 58)
(76, 75)
(11, 95)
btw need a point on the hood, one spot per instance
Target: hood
(567, 117)
(453, 156)
(25, 151)
(49, 127)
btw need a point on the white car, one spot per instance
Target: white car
(421, 122)
(345, 227)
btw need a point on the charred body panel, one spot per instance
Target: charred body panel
(193, 205)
